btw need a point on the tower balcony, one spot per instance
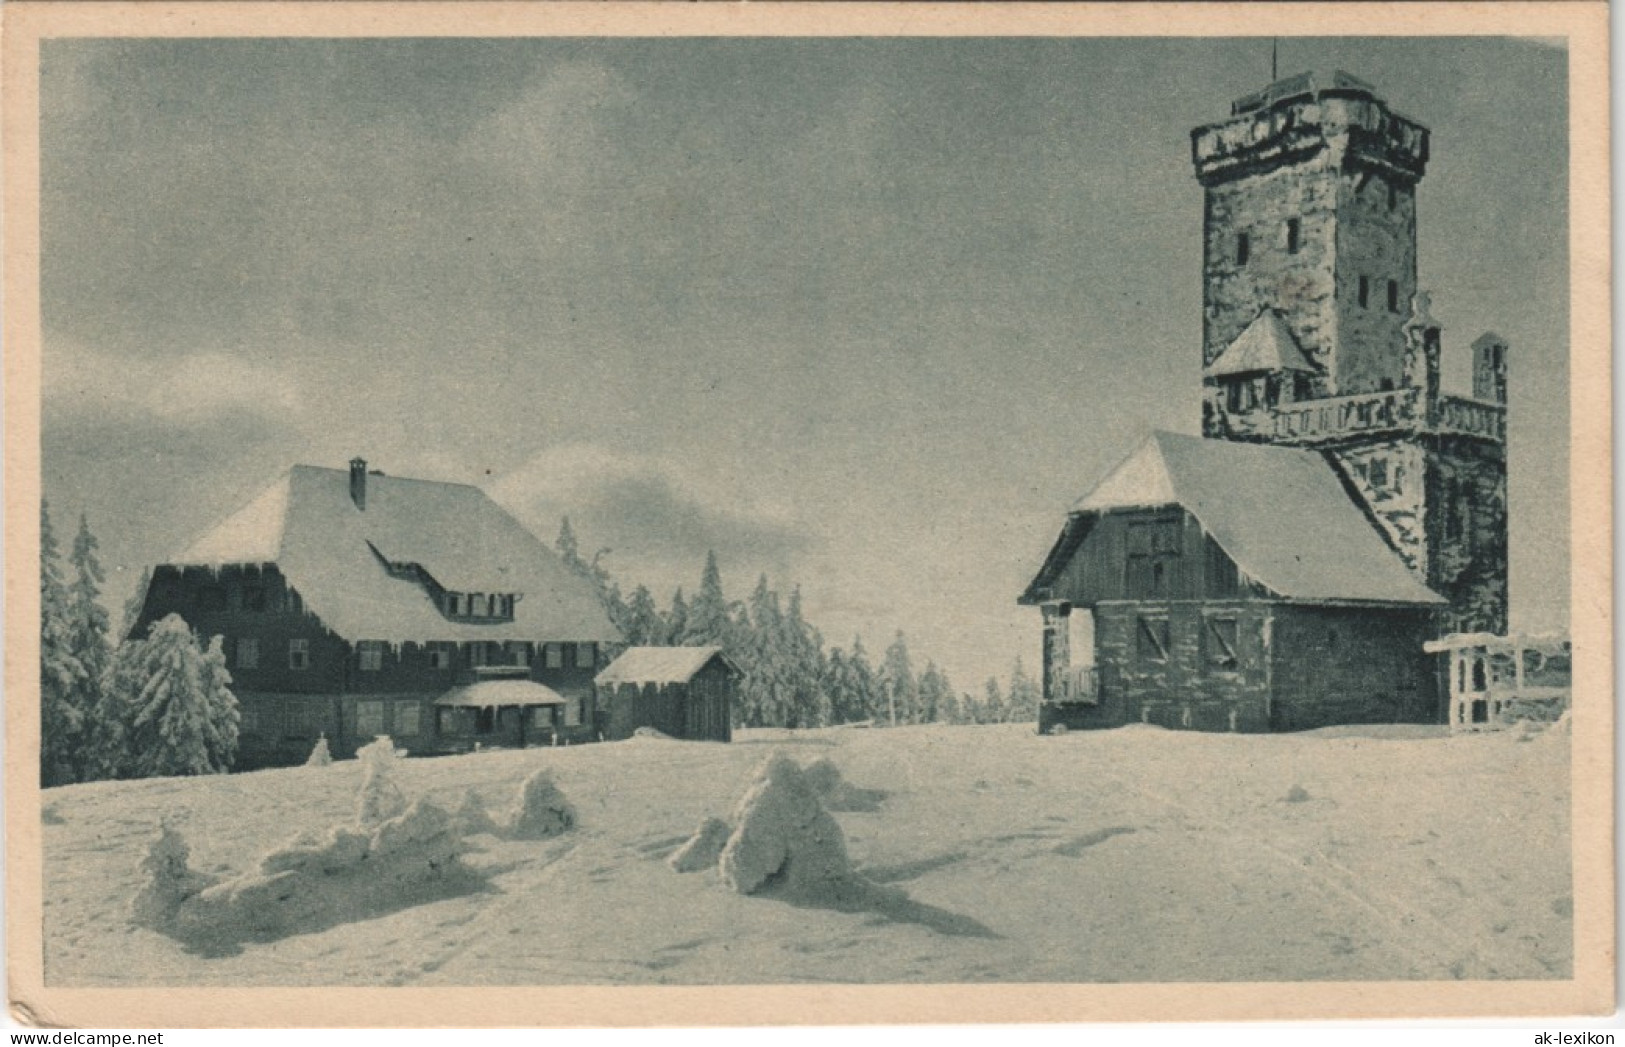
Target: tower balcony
(1333, 418)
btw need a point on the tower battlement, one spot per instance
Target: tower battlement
(1293, 119)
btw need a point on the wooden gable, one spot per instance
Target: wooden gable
(1146, 554)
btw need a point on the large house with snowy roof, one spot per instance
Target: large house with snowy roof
(358, 604)
(1284, 570)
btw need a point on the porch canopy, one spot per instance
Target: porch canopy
(489, 694)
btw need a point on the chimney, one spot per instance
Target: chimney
(358, 483)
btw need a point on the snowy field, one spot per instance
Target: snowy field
(1130, 855)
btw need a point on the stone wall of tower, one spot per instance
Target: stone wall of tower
(1376, 243)
(1390, 476)
(1467, 530)
(1301, 283)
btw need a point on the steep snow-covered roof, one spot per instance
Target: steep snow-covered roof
(1280, 513)
(1266, 345)
(661, 664)
(333, 553)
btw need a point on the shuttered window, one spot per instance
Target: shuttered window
(1222, 642)
(1151, 638)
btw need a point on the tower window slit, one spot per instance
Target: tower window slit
(1365, 292)
(1292, 236)
(1243, 248)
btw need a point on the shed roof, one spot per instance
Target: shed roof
(334, 554)
(1281, 514)
(1266, 345)
(493, 693)
(661, 664)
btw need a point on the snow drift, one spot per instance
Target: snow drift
(704, 849)
(784, 837)
(541, 810)
(311, 883)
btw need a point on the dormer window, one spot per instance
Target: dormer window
(479, 606)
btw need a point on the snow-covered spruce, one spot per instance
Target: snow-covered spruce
(784, 836)
(167, 880)
(185, 717)
(380, 798)
(703, 849)
(320, 755)
(471, 817)
(541, 810)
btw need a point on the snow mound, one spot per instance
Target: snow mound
(541, 811)
(785, 837)
(380, 798)
(380, 751)
(1562, 729)
(1296, 794)
(320, 755)
(650, 732)
(835, 793)
(167, 879)
(704, 849)
(311, 883)
(472, 818)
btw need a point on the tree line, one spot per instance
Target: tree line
(791, 679)
(158, 705)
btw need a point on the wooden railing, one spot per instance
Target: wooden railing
(1075, 685)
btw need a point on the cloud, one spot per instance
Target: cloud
(657, 517)
(191, 391)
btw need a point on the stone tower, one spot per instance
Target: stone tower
(1314, 333)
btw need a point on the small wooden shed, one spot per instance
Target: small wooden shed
(685, 692)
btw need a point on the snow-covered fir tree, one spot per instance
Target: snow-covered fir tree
(185, 716)
(676, 618)
(992, 706)
(225, 717)
(103, 739)
(897, 683)
(707, 622)
(1022, 703)
(803, 651)
(937, 702)
(644, 627)
(62, 675)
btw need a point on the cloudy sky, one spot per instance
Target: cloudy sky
(865, 314)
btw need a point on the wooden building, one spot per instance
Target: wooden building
(685, 692)
(1342, 509)
(357, 604)
(1220, 586)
